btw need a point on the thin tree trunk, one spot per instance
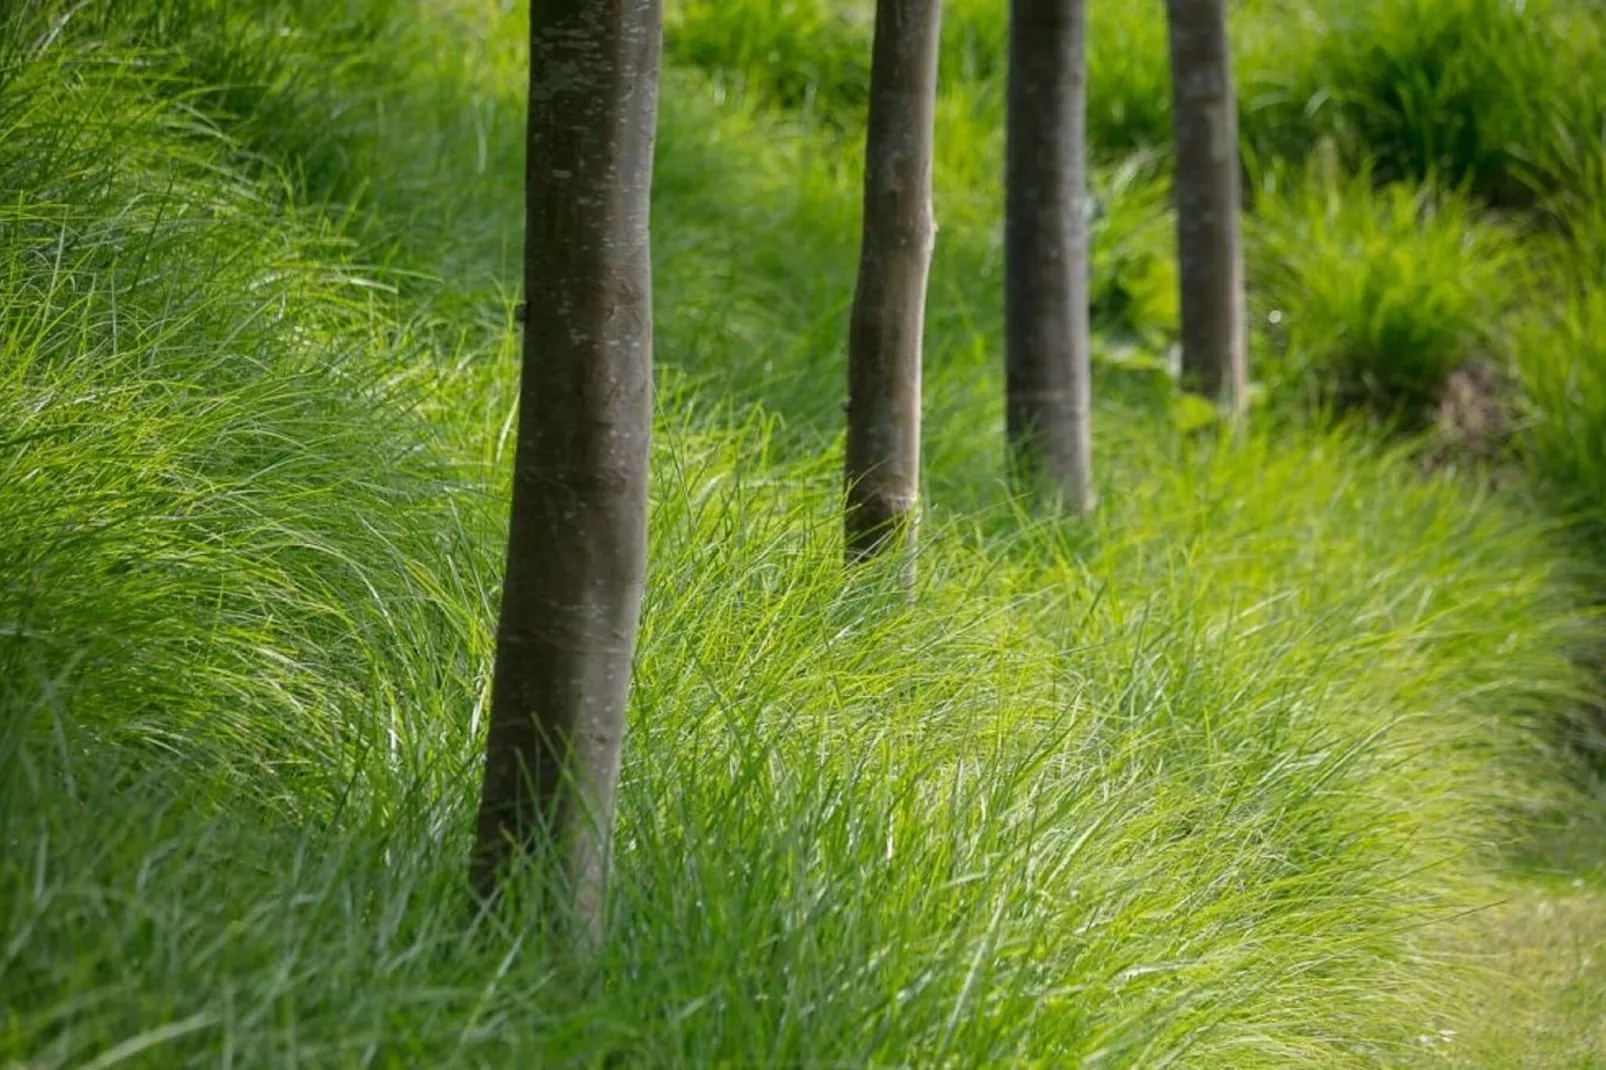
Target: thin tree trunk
(577, 547)
(1205, 123)
(889, 305)
(1049, 405)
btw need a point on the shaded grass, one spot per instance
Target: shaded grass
(1565, 381)
(209, 433)
(1500, 96)
(1378, 294)
(1445, 106)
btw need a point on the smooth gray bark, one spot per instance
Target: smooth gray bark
(576, 557)
(889, 304)
(1210, 261)
(1049, 402)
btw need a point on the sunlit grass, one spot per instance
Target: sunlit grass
(1194, 782)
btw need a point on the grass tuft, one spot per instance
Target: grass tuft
(1378, 294)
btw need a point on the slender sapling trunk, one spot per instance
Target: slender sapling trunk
(1210, 261)
(1049, 398)
(889, 304)
(576, 554)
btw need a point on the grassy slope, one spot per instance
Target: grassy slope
(1184, 784)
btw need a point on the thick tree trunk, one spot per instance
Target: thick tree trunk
(1205, 122)
(577, 540)
(1049, 405)
(889, 305)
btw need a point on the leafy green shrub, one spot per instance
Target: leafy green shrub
(1561, 354)
(1499, 95)
(975, 41)
(815, 55)
(1133, 270)
(809, 54)
(1376, 294)
(1490, 93)
(1128, 78)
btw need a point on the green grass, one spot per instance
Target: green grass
(1207, 781)
(1502, 96)
(1424, 287)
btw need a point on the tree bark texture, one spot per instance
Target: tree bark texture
(576, 557)
(1210, 261)
(889, 303)
(1049, 402)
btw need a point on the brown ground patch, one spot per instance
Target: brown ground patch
(1473, 422)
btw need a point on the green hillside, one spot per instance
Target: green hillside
(1290, 756)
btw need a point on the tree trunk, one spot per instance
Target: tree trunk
(1049, 405)
(1205, 122)
(577, 548)
(889, 304)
